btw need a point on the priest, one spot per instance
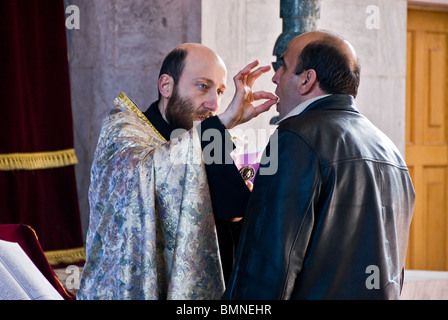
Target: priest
(156, 199)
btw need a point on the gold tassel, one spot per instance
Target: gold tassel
(37, 160)
(67, 256)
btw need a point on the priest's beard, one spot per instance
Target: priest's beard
(181, 112)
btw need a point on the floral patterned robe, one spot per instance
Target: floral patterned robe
(151, 233)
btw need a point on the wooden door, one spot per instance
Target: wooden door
(427, 137)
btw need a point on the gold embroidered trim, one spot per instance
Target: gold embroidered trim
(128, 103)
(55, 276)
(38, 160)
(66, 256)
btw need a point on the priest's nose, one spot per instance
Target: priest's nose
(212, 103)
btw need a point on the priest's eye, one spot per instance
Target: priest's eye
(202, 86)
(220, 92)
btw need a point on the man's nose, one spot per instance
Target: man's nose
(275, 78)
(212, 103)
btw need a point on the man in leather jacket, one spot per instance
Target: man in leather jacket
(333, 221)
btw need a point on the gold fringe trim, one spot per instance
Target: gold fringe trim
(37, 160)
(65, 256)
(128, 103)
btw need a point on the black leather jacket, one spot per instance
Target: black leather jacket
(333, 222)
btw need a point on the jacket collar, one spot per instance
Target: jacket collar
(301, 107)
(344, 102)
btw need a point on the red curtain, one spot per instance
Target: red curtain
(37, 179)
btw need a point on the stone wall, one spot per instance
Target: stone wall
(242, 31)
(119, 47)
(382, 54)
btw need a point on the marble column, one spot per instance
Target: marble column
(298, 17)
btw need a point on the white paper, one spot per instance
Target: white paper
(19, 278)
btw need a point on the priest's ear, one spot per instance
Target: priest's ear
(166, 85)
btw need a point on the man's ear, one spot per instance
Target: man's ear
(166, 85)
(308, 80)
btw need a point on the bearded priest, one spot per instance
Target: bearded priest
(160, 213)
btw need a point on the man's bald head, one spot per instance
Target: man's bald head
(175, 62)
(333, 58)
(191, 82)
(200, 51)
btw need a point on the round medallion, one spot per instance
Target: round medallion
(247, 172)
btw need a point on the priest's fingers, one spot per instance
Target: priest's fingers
(244, 72)
(259, 95)
(264, 106)
(251, 77)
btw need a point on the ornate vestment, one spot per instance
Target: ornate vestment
(152, 232)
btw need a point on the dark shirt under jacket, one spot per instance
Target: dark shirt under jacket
(229, 193)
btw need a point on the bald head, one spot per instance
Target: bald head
(189, 55)
(191, 83)
(201, 61)
(320, 36)
(200, 51)
(333, 58)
